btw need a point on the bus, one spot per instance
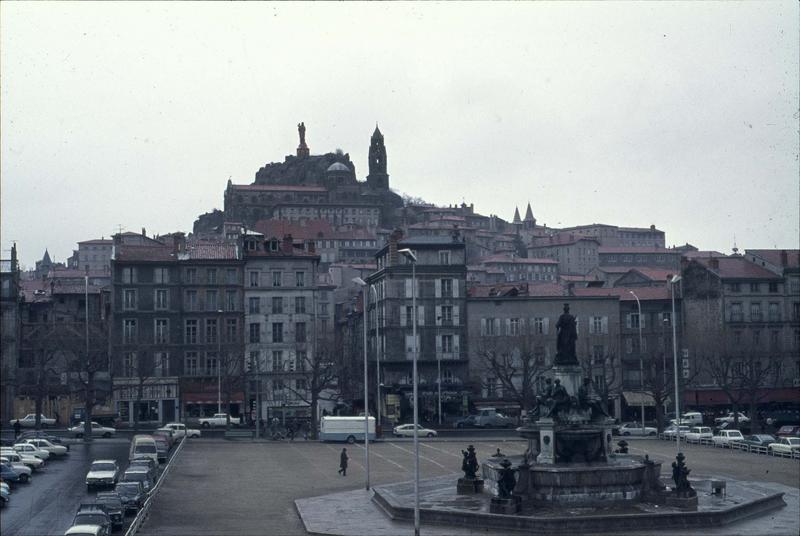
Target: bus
(350, 429)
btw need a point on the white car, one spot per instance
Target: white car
(43, 444)
(19, 467)
(407, 430)
(698, 434)
(674, 430)
(31, 461)
(729, 418)
(630, 429)
(219, 419)
(97, 430)
(180, 430)
(102, 473)
(29, 421)
(785, 445)
(725, 437)
(27, 448)
(86, 530)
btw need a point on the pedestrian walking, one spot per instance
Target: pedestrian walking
(343, 462)
(17, 428)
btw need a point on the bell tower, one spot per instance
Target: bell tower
(377, 178)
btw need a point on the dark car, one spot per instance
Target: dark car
(132, 495)
(112, 503)
(92, 514)
(162, 448)
(789, 430)
(145, 463)
(139, 474)
(10, 474)
(470, 421)
(755, 440)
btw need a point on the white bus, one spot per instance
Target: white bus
(350, 429)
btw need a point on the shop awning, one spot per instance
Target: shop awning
(209, 398)
(636, 398)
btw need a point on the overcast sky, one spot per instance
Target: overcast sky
(683, 115)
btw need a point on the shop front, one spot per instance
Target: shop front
(158, 403)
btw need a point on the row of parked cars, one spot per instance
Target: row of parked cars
(781, 443)
(28, 453)
(125, 492)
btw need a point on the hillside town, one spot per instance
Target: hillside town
(259, 311)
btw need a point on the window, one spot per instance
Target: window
(129, 364)
(774, 312)
(161, 275)
(129, 275)
(129, 331)
(538, 326)
(737, 337)
(129, 299)
(755, 312)
(409, 315)
(737, 315)
(230, 276)
(277, 360)
(161, 299)
(212, 330)
(299, 304)
(300, 279)
(491, 387)
(447, 315)
(253, 362)
(211, 276)
(277, 332)
(300, 384)
(447, 288)
(628, 345)
(444, 257)
(212, 364)
(190, 332)
(191, 276)
(754, 287)
(491, 326)
(514, 326)
(276, 279)
(736, 287)
(230, 300)
(254, 279)
(756, 338)
(666, 319)
(277, 306)
(191, 300)
(161, 331)
(539, 354)
(773, 287)
(254, 306)
(300, 332)
(231, 330)
(598, 325)
(302, 360)
(633, 321)
(447, 344)
(190, 364)
(255, 332)
(161, 363)
(775, 340)
(598, 354)
(211, 300)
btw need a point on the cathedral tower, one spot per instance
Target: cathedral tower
(377, 178)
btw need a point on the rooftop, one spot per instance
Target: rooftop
(735, 268)
(776, 256)
(277, 188)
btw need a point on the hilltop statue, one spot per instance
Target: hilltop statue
(567, 335)
(301, 129)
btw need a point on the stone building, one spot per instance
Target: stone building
(283, 306)
(441, 324)
(614, 236)
(10, 329)
(576, 255)
(629, 257)
(93, 256)
(510, 268)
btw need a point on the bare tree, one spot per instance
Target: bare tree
(88, 356)
(604, 372)
(320, 371)
(43, 344)
(231, 370)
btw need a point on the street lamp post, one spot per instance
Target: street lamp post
(413, 259)
(219, 362)
(364, 316)
(673, 281)
(439, 368)
(641, 364)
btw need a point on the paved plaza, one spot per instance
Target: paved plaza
(246, 488)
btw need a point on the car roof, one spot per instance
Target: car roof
(104, 461)
(84, 529)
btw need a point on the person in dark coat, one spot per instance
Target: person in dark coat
(17, 429)
(343, 462)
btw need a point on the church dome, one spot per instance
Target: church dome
(338, 166)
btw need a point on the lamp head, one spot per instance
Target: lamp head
(407, 253)
(675, 279)
(360, 282)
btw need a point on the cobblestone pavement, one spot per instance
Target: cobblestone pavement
(245, 488)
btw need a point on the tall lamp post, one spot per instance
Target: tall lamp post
(673, 281)
(219, 362)
(364, 287)
(413, 259)
(641, 364)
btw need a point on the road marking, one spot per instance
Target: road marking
(441, 450)
(381, 456)
(434, 462)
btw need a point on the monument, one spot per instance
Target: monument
(470, 483)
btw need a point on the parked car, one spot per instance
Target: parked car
(725, 437)
(730, 418)
(470, 421)
(755, 440)
(162, 448)
(38, 434)
(132, 494)
(166, 435)
(9, 474)
(407, 430)
(27, 448)
(29, 421)
(92, 514)
(789, 430)
(632, 429)
(785, 445)
(676, 430)
(691, 418)
(698, 434)
(87, 530)
(97, 430)
(17, 466)
(15, 457)
(112, 503)
(139, 474)
(181, 430)
(5, 494)
(219, 419)
(143, 446)
(44, 444)
(102, 473)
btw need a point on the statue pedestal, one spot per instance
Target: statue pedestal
(570, 376)
(547, 441)
(469, 486)
(684, 503)
(302, 151)
(608, 448)
(510, 505)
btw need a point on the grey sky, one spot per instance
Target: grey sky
(680, 114)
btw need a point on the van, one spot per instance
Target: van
(350, 429)
(691, 418)
(143, 446)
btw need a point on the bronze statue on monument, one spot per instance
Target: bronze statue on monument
(567, 335)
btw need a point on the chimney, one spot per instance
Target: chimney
(784, 257)
(178, 242)
(570, 289)
(287, 243)
(394, 238)
(144, 232)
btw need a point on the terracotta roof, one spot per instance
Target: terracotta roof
(560, 240)
(654, 274)
(708, 254)
(774, 256)
(134, 253)
(636, 250)
(623, 293)
(277, 188)
(210, 251)
(736, 268)
(576, 278)
(309, 230)
(101, 241)
(515, 289)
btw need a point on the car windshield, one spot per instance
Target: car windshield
(151, 449)
(102, 467)
(135, 477)
(131, 488)
(90, 519)
(794, 440)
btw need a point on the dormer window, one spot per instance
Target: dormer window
(273, 245)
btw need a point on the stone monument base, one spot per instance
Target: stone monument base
(511, 505)
(468, 486)
(684, 503)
